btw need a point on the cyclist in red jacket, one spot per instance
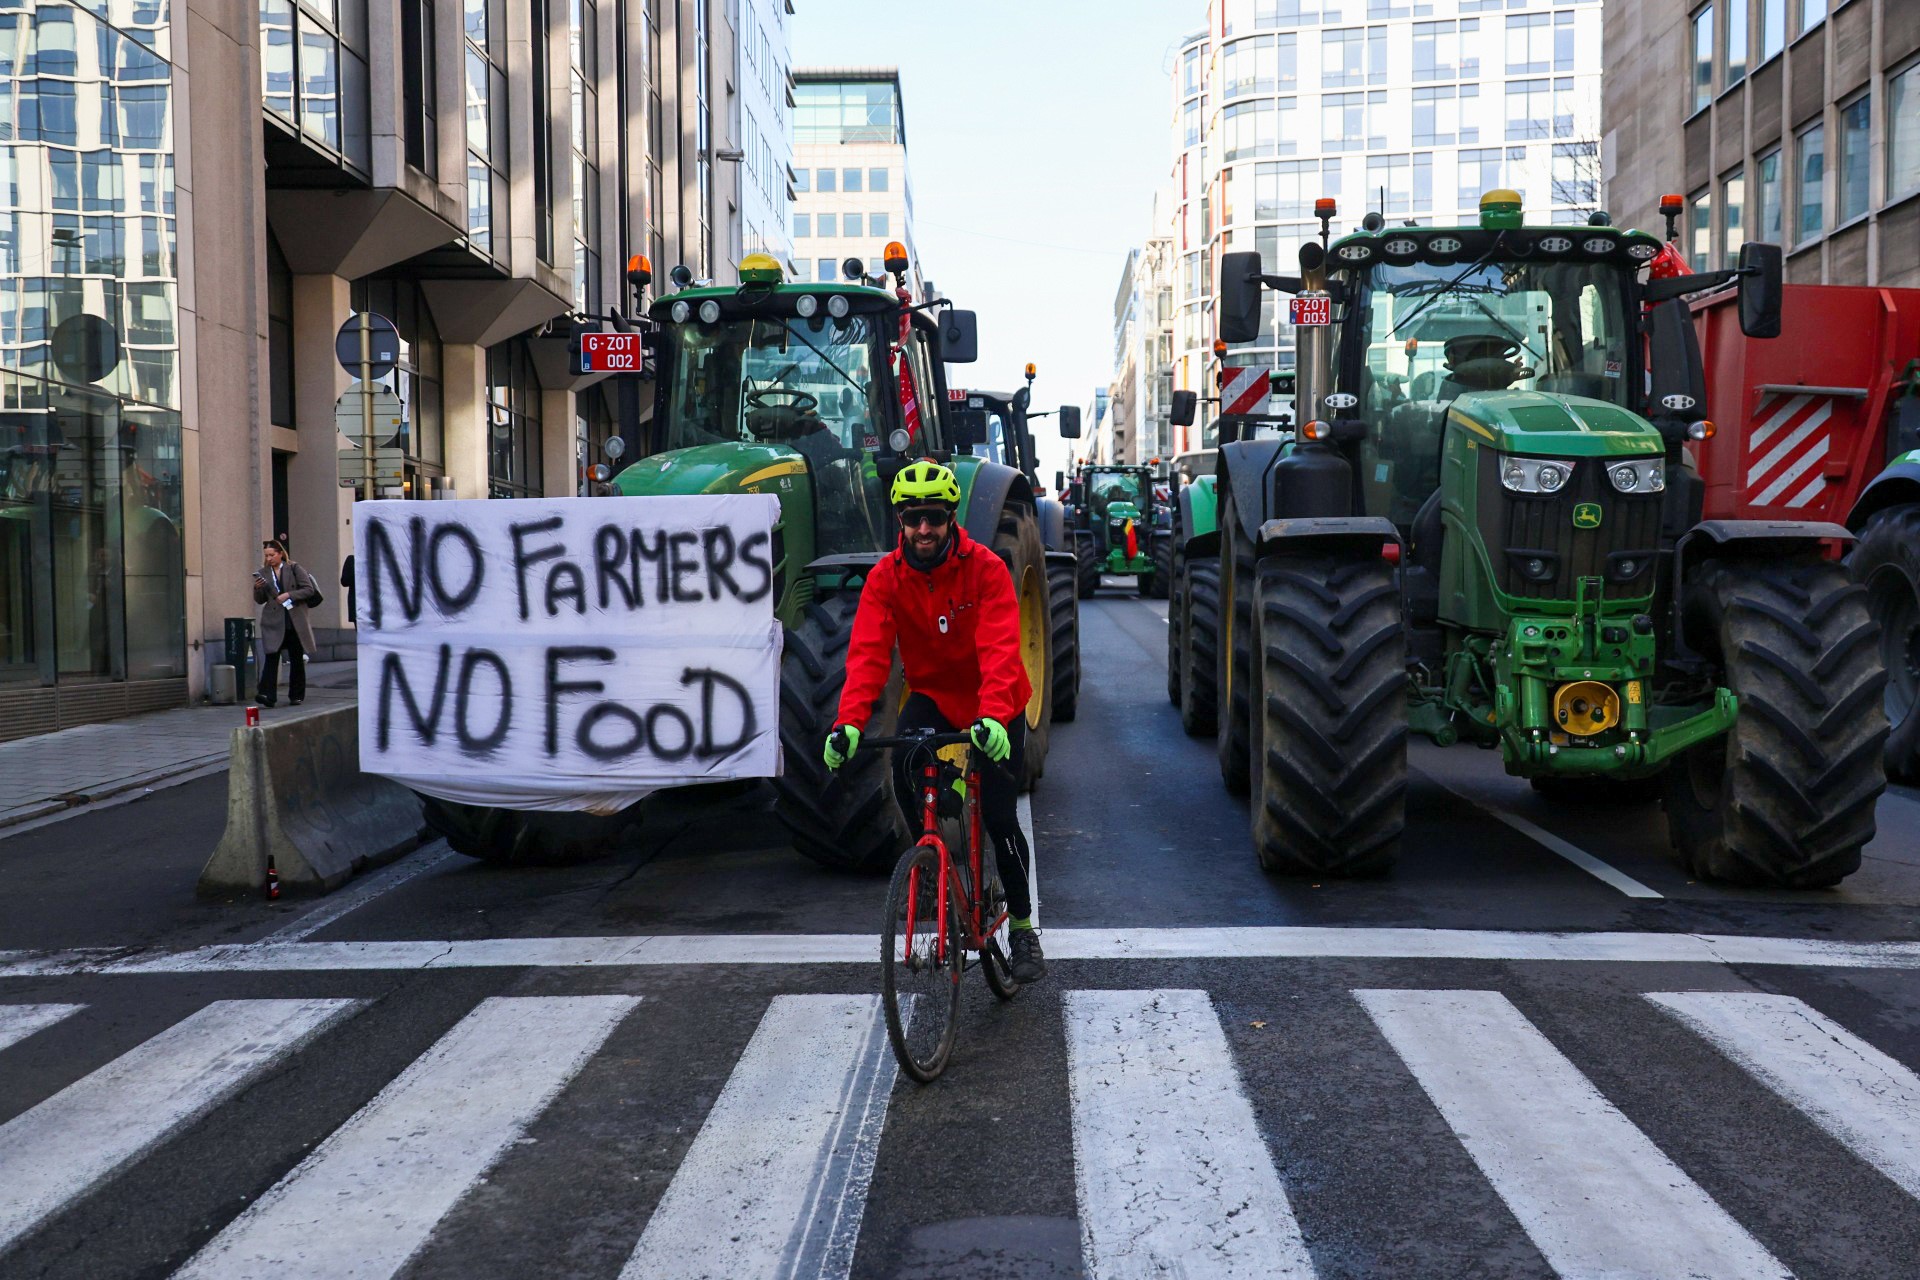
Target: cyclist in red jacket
(948, 603)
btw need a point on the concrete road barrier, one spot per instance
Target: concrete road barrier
(295, 793)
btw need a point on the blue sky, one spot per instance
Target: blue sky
(1036, 134)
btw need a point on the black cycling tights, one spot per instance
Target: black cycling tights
(999, 794)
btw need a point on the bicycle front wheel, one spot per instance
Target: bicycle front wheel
(920, 966)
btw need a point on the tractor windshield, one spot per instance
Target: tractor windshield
(807, 384)
(774, 379)
(1109, 487)
(1434, 332)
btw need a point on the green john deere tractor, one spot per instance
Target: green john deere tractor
(1486, 529)
(1119, 527)
(817, 394)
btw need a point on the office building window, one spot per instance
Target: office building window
(845, 111)
(486, 89)
(279, 336)
(827, 224)
(1530, 44)
(1733, 212)
(1812, 12)
(826, 181)
(1353, 58)
(850, 224)
(1576, 174)
(1288, 188)
(802, 181)
(1767, 215)
(1702, 57)
(419, 73)
(584, 94)
(876, 180)
(1440, 115)
(1259, 64)
(829, 271)
(802, 226)
(1481, 172)
(313, 67)
(878, 224)
(1529, 109)
(1903, 131)
(851, 179)
(1736, 23)
(802, 271)
(1259, 129)
(1352, 121)
(1773, 27)
(1699, 230)
(1810, 181)
(514, 425)
(1852, 163)
(1446, 50)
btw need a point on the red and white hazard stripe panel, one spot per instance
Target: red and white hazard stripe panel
(1244, 390)
(1791, 437)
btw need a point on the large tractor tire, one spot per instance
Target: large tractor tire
(1787, 797)
(1176, 594)
(844, 819)
(524, 838)
(1199, 645)
(1886, 561)
(1087, 555)
(1331, 733)
(1063, 601)
(1018, 540)
(1157, 585)
(1234, 664)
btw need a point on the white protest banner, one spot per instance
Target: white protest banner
(567, 653)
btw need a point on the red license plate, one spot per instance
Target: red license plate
(610, 353)
(1310, 311)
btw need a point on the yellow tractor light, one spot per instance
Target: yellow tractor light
(760, 268)
(1499, 210)
(1586, 707)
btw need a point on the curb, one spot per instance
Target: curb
(69, 802)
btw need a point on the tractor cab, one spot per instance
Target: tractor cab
(816, 393)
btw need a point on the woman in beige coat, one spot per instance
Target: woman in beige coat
(283, 590)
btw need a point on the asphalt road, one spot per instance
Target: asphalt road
(1536, 1049)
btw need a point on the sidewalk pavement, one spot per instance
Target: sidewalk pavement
(45, 775)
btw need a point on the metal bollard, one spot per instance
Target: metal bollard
(220, 687)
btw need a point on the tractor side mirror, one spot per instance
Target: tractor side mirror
(1069, 422)
(1060, 482)
(1679, 381)
(969, 427)
(1238, 309)
(1185, 404)
(959, 337)
(1760, 290)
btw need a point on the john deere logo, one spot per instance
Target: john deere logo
(1586, 515)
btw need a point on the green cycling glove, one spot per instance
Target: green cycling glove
(841, 744)
(991, 737)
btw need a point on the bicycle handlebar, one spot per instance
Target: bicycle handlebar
(936, 740)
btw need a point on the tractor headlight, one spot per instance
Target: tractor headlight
(1534, 475)
(709, 312)
(680, 312)
(1642, 475)
(837, 306)
(805, 305)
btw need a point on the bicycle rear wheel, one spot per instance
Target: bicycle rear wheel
(921, 990)
(993, 956)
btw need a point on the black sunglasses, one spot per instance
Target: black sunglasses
(937, 517)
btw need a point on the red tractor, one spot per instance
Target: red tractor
(1824, 424)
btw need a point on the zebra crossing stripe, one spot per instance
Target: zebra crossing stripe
(1590, 1189)
(54, 1153)
(776, 1181)
(1869, 1102)
(18, 1021)
(368, 1197)
(1172, 1175)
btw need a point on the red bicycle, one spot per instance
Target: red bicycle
(943, 915)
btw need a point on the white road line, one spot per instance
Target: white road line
(96, 1126)
(1865, 1099)
(18, 1021)
(776, 1181)
(368, 1197)
(1288, 942)
(350, 900)
(1593, 1193)
(1547, 840)
(1170, 1170)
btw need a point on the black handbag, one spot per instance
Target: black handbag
(318, 598)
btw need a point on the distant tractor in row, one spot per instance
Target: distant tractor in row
(1122, 527)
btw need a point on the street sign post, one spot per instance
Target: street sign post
(368, 347)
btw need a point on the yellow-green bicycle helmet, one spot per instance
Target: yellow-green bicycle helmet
(925, 481)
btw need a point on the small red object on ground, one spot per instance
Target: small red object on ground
(253, 716)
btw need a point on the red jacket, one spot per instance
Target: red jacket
(958, 629)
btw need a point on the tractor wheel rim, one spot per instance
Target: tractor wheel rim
(1033, 642)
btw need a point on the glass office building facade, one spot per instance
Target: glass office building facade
(91, 498)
